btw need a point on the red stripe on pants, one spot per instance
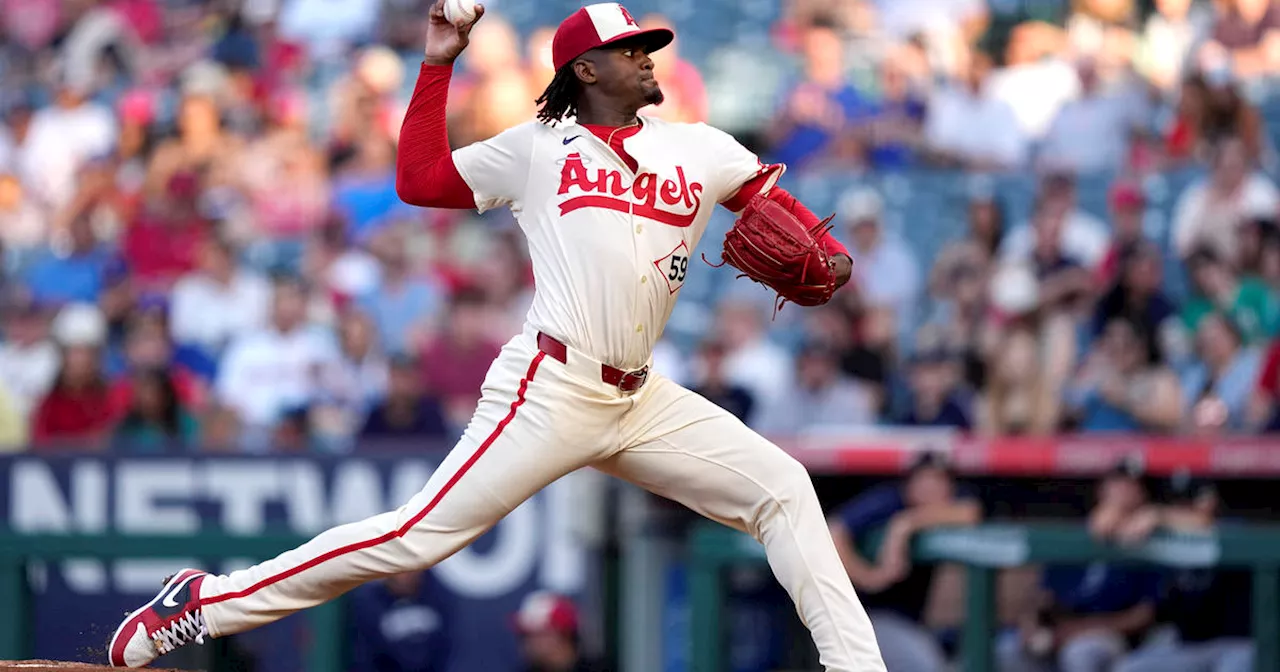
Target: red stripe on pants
(403, 529)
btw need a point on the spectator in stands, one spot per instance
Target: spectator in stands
(541, 68)
(455, 362)
(821, 398)
(284, 179)
(810, 128)
(155, 421)
(1125, 384)
(147, 347)
(1216, 390)
(63, 138)
(1127, 205)
(494, 95)
(935, 376)
(1082, 237)
(29, 359)
(1169, 41)
(894, 130)
(363, 104)
(404, 305)
(1260, 250)
(959, 281)
(1249, 30)
(1248, 302)
(23, 225)
(1030, 350)
(71, 268)
(1090, 133)
(1137, 295)
(164, 242)
(350, 384)
(685, 96)
(711, 381)
(365, 188)
(269, 371)
(1181, 133)
(203, 149)
(549, 639)
(326, 29)
(1210, 211)
(1085, 616)
(893, 589)
(338, 269)
(77, 412)
(886, 274)
(220, 430)
(752, 361)
(402, 624)
(969, 128)
(406, 412)
(219, 301)
(506, 275)
(1204, 608)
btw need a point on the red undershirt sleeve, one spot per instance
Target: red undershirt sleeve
(425, 172)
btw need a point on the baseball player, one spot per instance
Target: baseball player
(613, 205)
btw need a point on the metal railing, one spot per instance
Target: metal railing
(986, 549)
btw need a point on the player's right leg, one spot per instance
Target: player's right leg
(521, 438)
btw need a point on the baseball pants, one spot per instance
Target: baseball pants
(539, 419)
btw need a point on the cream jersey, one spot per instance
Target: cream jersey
(610, 247)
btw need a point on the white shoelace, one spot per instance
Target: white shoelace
(182, 631)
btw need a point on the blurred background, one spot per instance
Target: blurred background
(217, 318)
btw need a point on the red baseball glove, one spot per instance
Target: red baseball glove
(772, 247)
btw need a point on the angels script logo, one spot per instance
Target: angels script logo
(605, 189)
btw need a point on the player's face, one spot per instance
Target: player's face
(625, 73)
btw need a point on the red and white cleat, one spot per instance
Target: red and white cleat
(170, 620)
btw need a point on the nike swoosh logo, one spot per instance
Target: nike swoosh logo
(569, 140)
(168, 599)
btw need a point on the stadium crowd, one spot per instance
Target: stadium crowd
(204, 248)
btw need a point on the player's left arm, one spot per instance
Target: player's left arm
(748, 177)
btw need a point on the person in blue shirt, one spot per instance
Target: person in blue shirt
(75, 274)
(813, 120)
(1207, 611)
(401, 625)
(893, 590)
(1087, 617)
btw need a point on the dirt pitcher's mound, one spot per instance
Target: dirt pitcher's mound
(54, 666)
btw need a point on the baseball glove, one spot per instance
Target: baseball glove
(772, 247)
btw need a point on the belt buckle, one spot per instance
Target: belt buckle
(633, 380)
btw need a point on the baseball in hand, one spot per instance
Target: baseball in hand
(460, 10)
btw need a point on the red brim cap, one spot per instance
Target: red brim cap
(600, 25)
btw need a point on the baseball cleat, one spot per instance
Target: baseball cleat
(171, 619)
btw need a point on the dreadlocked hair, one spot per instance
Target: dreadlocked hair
(560, 99)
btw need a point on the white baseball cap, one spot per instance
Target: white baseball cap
(861, 204)
(1014, 289)
(80, 324)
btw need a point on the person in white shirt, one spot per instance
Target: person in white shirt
(1210, 211)
(753, 362)
(966, 125)
(270, 371)
(328, 27)
(1090, 133)
(886, 273)
(29, 359)
(1084, 237)
(219, 302)
(62, 138)
(822, 398)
